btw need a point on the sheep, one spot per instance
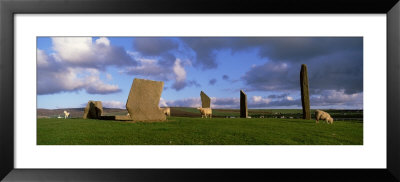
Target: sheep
(167, 111)
(319, 114)
(66, 114)
(205, 112)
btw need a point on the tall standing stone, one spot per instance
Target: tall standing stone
(243, 104)
(93, 110)
(205, 100)
(305, 96)
(143, 100)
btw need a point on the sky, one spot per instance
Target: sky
(73, 70)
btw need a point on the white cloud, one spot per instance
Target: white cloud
(186, 102)
(82, 52)
(103, 40)
(73, 49)
(95, 86)
(180, 75)
(76, 64)
(260, 99)
(56, 77)
(163, 103)
(41, 58)
(152, 69)
(334, 97)
(179, 71)
(114, 104)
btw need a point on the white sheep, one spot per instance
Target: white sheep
(167, 111)
(205, 112)
(323, 116)
(66, 114)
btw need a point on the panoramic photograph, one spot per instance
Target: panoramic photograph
(199, 90)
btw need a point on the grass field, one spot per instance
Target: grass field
(198, 131)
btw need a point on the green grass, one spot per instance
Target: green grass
(198, 131)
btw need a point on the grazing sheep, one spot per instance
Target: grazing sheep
(167, 111)
(323, 116)
(205, 112)
(66, 114)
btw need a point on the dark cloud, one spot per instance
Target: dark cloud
(205, 49)
(333, 62)
(193, 83)
(340, 71)
(187, 83)
(149, 46)
(113, 56)
(273, 76)
(167, 60)
(225, 103)
(305, 48)
(273, 48)
(151, 70)
(212, 81)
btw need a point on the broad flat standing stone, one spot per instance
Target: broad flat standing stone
(305, 96)
(205, 100)
(243, 104)
(93, 110)
(143, 100)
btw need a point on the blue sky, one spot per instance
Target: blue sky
(74, 70)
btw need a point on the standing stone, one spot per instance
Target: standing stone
(205, 100)
(305, 96)
(93, 110)
(243, 105)
(143, 100)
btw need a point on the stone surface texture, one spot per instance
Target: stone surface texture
(143, 100)
(243, 105)
(305, 96)
(205, 100)
(93, 110)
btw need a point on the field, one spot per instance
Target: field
(193, 130)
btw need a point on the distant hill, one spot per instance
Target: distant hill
(221, 113)
(76, 112)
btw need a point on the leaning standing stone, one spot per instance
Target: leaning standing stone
(205, 100)
(143, 100)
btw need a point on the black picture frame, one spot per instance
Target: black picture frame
(9, 8)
